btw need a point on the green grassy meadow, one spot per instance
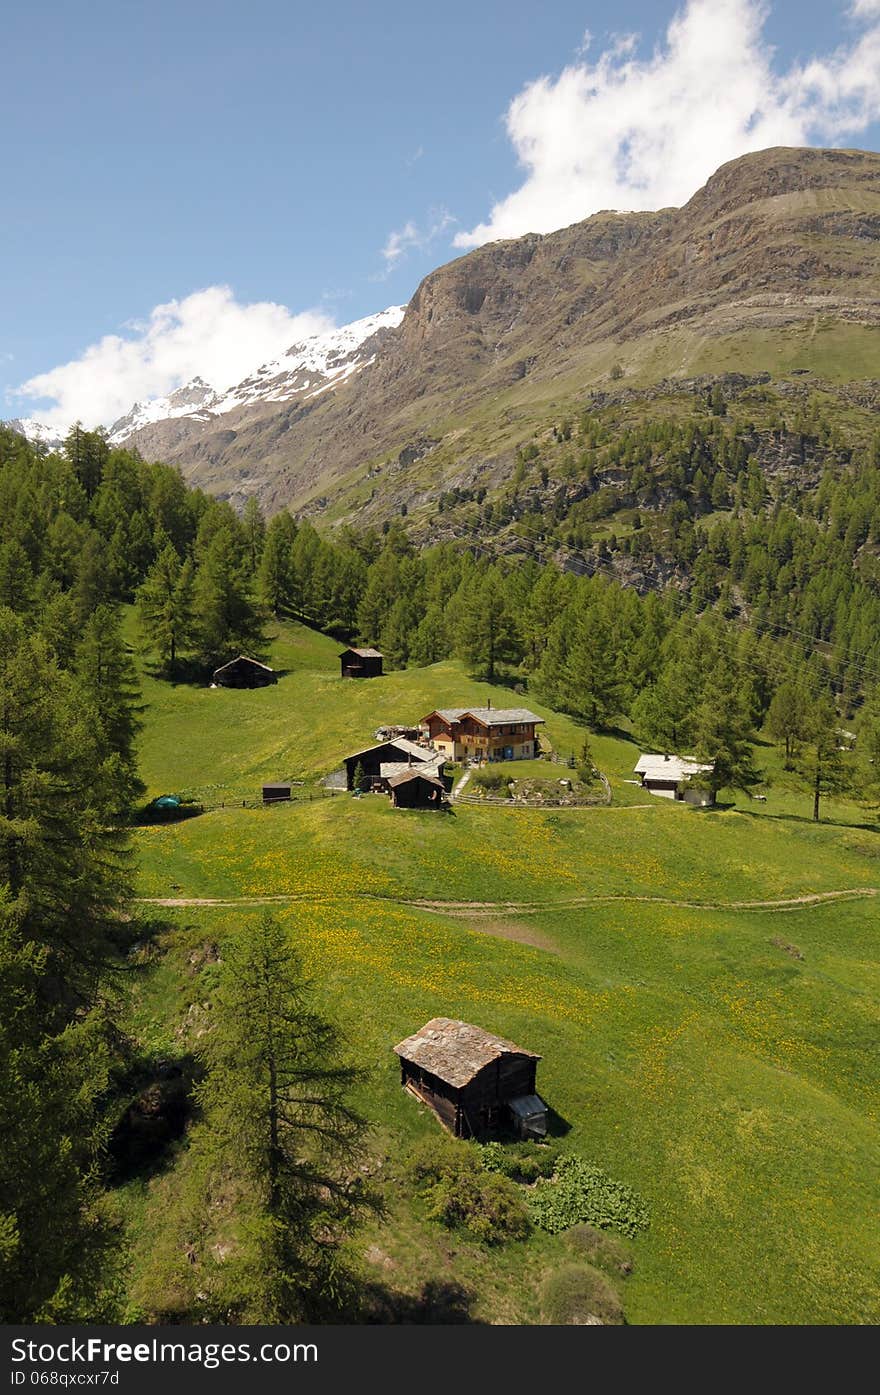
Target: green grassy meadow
(716, 1056)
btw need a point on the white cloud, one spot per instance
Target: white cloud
(208, 334)
(636, 133)
(410, 236)
(400, 241)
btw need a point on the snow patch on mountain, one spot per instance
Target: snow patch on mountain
(36, 432)
(306, 369)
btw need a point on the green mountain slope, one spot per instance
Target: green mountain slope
(772, 267)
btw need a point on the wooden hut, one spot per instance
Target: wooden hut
(476, 1083)
(275, 793)
(670, 777)
(244, 672)
(418, 787)
(361, 663)
(397, 752)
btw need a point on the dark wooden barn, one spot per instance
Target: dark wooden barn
(400, 751)
(275, 793)
(476, 1083)
(244, 672)
(361, 663)
(416, 788)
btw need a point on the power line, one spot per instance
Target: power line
(593, 565)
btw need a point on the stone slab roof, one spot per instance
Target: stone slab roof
(456, 1051)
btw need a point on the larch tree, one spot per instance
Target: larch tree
(486, 633)
(229, 620)
(65, 881)
(275, 577)
(723, 735)
(824, 767)
(107, 673)
(273, 1177)
(254, 525)
(788, 717)
(165, 604)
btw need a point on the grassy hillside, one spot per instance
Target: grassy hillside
(714, 1055)
(220, 744)
(770, 267)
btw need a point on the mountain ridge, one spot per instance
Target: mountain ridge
(772, 265)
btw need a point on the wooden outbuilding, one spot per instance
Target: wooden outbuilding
(670, 777)
(361, 663)
(418, 787)
(399, 752)
(476, 1083)
(276, 793)
(244, 672)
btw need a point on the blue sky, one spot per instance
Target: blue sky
(324, 158)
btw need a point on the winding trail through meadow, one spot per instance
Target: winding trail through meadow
(469, 909)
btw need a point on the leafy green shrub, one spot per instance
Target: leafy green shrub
(492, 780)
(600, 1249)
(579, 1294)
(580, 1191)
(523, 1162)
(431, 1159)
(461, 1194)
(485, 1204)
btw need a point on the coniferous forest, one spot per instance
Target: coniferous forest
(765, 619)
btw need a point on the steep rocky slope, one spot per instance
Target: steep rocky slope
(773, 264)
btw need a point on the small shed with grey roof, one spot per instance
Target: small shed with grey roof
(670, 777)
(475, 1082)
(361, 663)
(416, 787)
(400, 751)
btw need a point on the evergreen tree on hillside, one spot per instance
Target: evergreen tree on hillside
(543, 604)
(217, 518)
(304, 550)
(723, 734)
(254, 526)
(16, 577)
(662, 714)
(398, 633)
(61, 858)
(272, 1168)
(788, 717)
(65, 883)
(107, 674)
(486, 633)
(591, 679)
(91, 585)
(228, 620)
(431, 640)
(824, 765)
(173, 508)
(64, 544)
(166, 606)
(275, 579)
(383, 588)
(59, 628)
(53, 1084)
(87, 452)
